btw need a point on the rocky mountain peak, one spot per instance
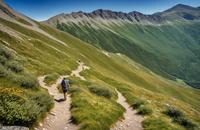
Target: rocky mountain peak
(107, 14)
(181, 8)
(179, 11)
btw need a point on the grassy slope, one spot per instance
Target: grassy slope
(128, 74)
(41, 58)
(22, 102)
(169, 50)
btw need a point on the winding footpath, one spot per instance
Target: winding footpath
(59, 117)
(131, 121)
(80, 68)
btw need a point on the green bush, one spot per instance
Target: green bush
(5, 52)
(179, 117)
(20, 109)
(14, 66)
(157, 123)
(190, 125)
(100, 91)
(3, 60)
(27, 81)
(144, 110)
(43, 100)
(173, 112)
(15, 110)
(3, 71)
(137, 103)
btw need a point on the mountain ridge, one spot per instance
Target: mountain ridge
(133, 16)
(138, 36)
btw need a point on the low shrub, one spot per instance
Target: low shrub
(14, 66)
(23, 110)
(3, 60)
(5, 52)
(173, 112)
(179, 117)
(190, 125)
(3, 71)
(15, 110)
(137, 103)
(27, 81)
(157, 123)
(43, 100)
(144, 110)
(100, 91)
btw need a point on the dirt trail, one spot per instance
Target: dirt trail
(131, 120)
(59, 117)
(80, 68)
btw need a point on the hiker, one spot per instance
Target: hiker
(65, 86)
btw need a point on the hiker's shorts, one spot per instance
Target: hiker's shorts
(64, 91)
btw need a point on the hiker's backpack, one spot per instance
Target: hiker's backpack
(65, 84)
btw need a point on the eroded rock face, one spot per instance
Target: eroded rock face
(13, 128)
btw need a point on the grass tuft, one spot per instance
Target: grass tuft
(179, 117)
(51, 78)
(137, 103)
(101, 91)
(145, 110)
(157, 123)
(92, 112)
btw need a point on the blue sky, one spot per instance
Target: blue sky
(44, 9)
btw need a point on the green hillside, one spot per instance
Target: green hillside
(171, 50)
(31, 49)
